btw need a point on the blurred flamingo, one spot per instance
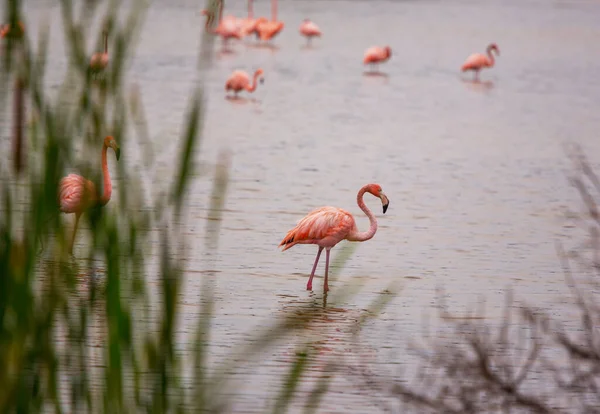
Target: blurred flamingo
(76, 194)
(6, 30)
(376, 55)
(269, 29)
(310, 30)
(327, 226)
(228, 27)
(240, 80)
(478, 61)
(248, 25)
(99, 61)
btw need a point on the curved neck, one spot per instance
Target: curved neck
(252, 87)
(490, 56)
(364, 235)
(274, 10)
(107, 185)
(105, 43)
(250, 11)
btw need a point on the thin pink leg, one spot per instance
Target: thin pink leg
(312, 274)
(325, 285)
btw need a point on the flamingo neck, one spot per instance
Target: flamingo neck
(490, 56)
(252, 87)
(274, 10)
(107, 186)
(250, 11)
(364, 235)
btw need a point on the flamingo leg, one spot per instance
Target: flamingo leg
(312, 274)
(74, 232)
(325, 285)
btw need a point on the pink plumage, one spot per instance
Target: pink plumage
(309, 29)
(377, 54)
(478, 61)
(240, 80)
(327, 226)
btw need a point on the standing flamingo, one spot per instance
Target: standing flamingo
(327, 226)
(376, 55)
(248, 25)
(76, 194)
(478, 61)
(99, 61)
(228, 27)
(240, 80)
(269, 29)
(310, 30)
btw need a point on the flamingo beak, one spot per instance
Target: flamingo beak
(116, 148)
(262, 80)
(385, 201)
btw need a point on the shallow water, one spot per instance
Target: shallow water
(475, 172)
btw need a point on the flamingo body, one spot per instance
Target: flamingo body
(268, 29)
(309, 29)
(99, 61)
(327, 226)
(76, 194)
(240, 80)
(376, 55)
(478, 61)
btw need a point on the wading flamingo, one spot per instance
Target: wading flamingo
(269, 29)
(376, 55)
(6, 31)
(310, 30)
(228, 27)
(248, 25)
(478, 61)
(99, 61)
(327, 226)
(240, 80)
(76, 194)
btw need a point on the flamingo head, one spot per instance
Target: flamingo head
(376, 190)
(388, 51)
(109, 142)
(259, 72)
(494, 47)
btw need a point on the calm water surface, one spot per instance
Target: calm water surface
(475, 171)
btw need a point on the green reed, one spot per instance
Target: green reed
(55, 307)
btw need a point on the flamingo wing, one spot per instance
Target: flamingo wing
(75, 194)
(475, 61)
(310, 29)
(374, 54)
(238, 80)
(320, 224)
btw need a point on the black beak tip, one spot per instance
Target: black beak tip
(262, 80)
(118, 153)
(385, 207)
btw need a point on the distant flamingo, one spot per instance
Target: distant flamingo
(327, 226)
(240, 80)
(99, 61)
(266, 29)
(376, 55)
(76, 194)
(227, 28)
(248, 25)
(310, 30)
(477, 61)
(6, 30)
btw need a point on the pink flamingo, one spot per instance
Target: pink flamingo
(478, 61)
(376, 55)
(248, 25)
(240, 80)
(76, 194)
(310, 30)
(327, 226)
(269, 29)
(99, 61)
(228, 27)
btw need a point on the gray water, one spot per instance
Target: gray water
(475, 172)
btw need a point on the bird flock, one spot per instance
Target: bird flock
(325, 226)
